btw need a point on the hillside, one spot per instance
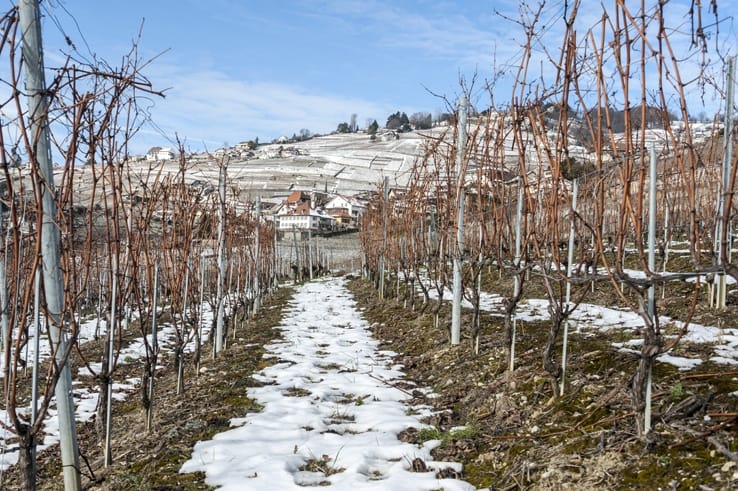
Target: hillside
(346, 164)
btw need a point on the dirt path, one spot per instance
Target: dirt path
(330, 414)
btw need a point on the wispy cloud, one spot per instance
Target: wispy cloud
(247, 69)
(208, 108)
(430, 29)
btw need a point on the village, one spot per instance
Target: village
(323, 184)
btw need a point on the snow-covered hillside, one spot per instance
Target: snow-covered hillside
(347, 164)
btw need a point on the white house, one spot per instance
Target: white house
(159, 153)
(350, 206)
(314, 220)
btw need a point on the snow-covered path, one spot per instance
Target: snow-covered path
(331, 416)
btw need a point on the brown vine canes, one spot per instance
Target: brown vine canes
(632, 192)
(98, 108)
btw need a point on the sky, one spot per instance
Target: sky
(235, 70)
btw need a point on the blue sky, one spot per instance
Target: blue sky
(234, 70)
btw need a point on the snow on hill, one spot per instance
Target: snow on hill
(347, 164)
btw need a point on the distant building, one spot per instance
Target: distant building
(294, 200)
(345, 210)
(297, 197)
(159, 153)
(305, 219)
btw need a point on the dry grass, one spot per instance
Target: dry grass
(522, 438)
